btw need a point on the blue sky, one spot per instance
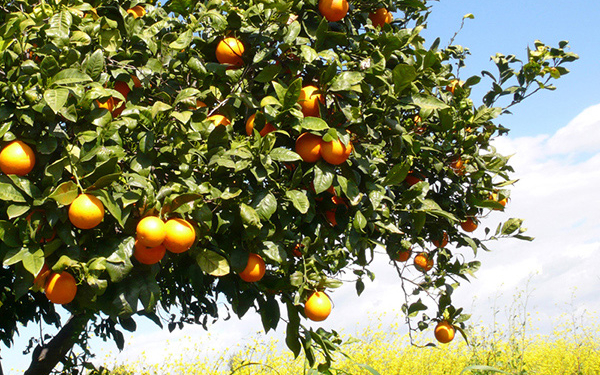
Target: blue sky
(508, 27)
(556, 138)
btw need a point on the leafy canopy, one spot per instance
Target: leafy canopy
(421, 160)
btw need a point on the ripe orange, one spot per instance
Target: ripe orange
(403, 255)
(137, 11)
(42, 276)
(297, 250)
(318, 307)
(423, 262)
(108, 104)
(61, 288)
(412, 178)
(469, 225)
(443, 242)
(333, 10)
(151, 231)
(330, 215)
(308, 146)
(381, 17)
(250, 126)
(458, 166)
(255, 269)
(219, 120)
(180, 236)
(199, 104)
(86, 211)
(17, 158)
(148, 255)
(335, 152)
(444, 332)
(309, 100)
(229, 51)
(123, 88)
(494, 196)
(453, 84)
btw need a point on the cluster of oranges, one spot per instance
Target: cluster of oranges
(154, 237)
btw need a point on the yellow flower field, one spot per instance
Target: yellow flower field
(572, 349)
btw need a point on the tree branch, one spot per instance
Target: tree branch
(46, 357)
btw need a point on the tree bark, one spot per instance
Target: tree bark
(46, 357)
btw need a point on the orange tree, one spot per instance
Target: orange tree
(123, 110)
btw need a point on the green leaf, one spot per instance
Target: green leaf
(69, 77)
(250, 216)
(118, 264)
(9, 193)
(33, 262)
(403, 75)
(268, 73)
(314, 123)
(511, 226)
(60, 25)
(265, 204)
(346, 80)
(212, 263)
(94, 65)
(274, 251)
(292, 93)
(183, 41)
(428, 102)
(398, 173)
(56, 98)
(9, 234)
(323, 177)
(299, 200)
(284, 155)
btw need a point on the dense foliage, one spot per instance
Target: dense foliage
(115, 99)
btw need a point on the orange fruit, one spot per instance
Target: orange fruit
(180, 236)
(380, 17)
(151, 231)
(229, 51)
(318, 307)
(86, 211)
(255, 269)
(136, 81)
(17, 158)
(330, 215)
(199, 104)
(137, 11)
(458, 166)
(297, 250)
(494, 197)
(453, 84)
(42, 276)
(423, 262)
(333, 10)
(412, 179)
(61, 288)
(309, 100)
(123, 88)
(308, 146)
(250, 126)
(219, 120)
(108, 104)
(443, 242)
(469, 225)
(403, 255)
(335, 152)
(444, 332)
(148, 255)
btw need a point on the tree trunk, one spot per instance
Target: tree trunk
(46, 357)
